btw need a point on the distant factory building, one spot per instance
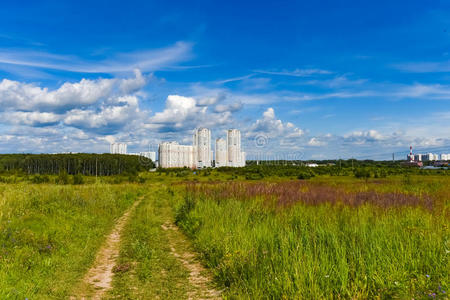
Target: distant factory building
(430, 157)
(445, 156)
(118, 148)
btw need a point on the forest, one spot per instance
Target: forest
(82, 163)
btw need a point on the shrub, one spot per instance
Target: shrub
(304, 175)
(40, 179)
(254, 176)
(362, 173)
(63, 178)
(78, 179)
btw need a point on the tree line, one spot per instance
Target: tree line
(79, 163)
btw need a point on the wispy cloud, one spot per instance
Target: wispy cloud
(424, 67)
(337, 82)
(240, 78)
(296, 72)
(145, 60)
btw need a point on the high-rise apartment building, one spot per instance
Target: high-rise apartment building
(202, 147)
(173, 155)
(199, 155)
(236, 158)
(221, 153)
(148, 154)
(118, 148)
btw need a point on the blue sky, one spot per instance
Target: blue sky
(312, 79)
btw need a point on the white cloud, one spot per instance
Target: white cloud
(296, 72)
(184, 113)
(427, 91)
(363, 137)
(178, 109)
(145, 60)
(270, 126)
(340, 81)
(131, 85)
(31, 118)
(109, 118)
(315, 142)
(424, 67)
(232, 107)
(210, 100)
(16, 95)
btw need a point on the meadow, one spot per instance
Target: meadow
(49, 234)
(264, 236)
(323, 239)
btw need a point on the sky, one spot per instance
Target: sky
(300, 79)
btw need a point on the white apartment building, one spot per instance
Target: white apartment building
(221, 153)
(242, 159)
(149, 154)
(236, 158)
(118, 148)
(418, 157)
(199, 155)
(202, 146)
(173, 155)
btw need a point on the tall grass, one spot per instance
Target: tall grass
(297, 240)
(49, 235)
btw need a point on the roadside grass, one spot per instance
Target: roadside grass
(146, 268)
(49, 234)
(261, 248)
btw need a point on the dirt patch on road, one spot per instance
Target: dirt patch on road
(99, 277)
(199, 278)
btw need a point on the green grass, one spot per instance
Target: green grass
(256, 245)
(49, 234)
(259, 249)
(154, 273)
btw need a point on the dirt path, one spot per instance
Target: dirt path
(199, 279)
(99, 277)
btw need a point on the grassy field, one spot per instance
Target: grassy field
(327, 237)
(49, 234)
(342, 238)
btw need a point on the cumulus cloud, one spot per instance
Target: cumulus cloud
(363, 137)
(210, 100)
(16, 95)
(109, 118)
(31, 118)
(185, 113)
(178, 109)
(132, 85)
(316, 142)
(23, 96)
(232, 107)
(270, 126)
(97, 106)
